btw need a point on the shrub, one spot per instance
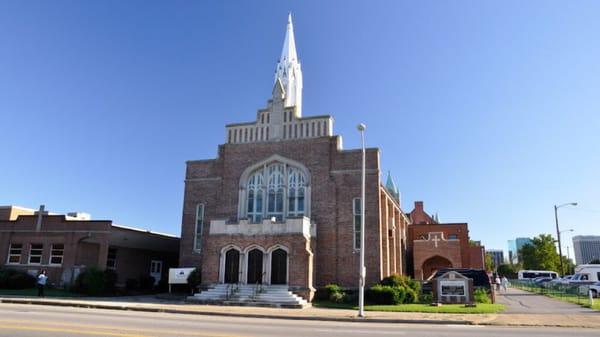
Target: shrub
(380, 294)
(16, 279)
(481, 296)
(131, 284)
(411, 296)
(394, 280)
(195, 279)
(91, 282)
(407, 288)
(110, 280)
(426, 298)
(334, 293)
(337, 297)
(146, 282)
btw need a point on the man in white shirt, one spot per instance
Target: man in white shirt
(41, 282)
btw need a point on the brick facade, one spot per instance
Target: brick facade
(434, 245)
(334, 183)
(85, 243)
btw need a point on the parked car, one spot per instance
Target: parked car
(542, 281)
(595, 288)
(586, 274)
(532, 274)
(480, 278)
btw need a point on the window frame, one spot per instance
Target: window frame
(53, 249)
(356, 227)
(10, 254)
(199, 233)
(40, 255)
(113, 259)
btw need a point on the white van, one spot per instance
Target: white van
(586, 273)
(531, 274)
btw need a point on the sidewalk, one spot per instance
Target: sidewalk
(148, 304)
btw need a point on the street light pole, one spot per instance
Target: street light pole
(362, 273)
(562, 270)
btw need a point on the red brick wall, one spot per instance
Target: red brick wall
(335, 181)
(418, 216)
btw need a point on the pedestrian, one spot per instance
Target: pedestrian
(505, 283)
(498, 282)
(41, 282)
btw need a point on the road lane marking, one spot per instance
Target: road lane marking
(153, 332)
(72, 331)
(360, 332)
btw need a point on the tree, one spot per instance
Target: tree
(541, 254)
(508, 270)
(489, 262)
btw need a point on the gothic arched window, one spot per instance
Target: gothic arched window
(255, 197)
(275, 191)
(296, 191)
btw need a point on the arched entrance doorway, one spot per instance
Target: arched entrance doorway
(255, 266)
(232, 266)
(432, 264)
(279, 266)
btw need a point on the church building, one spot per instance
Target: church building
(280, 205)
(433, 245)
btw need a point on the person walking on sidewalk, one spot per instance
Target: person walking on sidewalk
(505, 283)
(41, 282)
(497, 283)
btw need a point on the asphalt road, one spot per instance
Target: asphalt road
(523, 302)
(30, 320)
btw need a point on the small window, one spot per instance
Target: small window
(35, 253)
(356, 203)
(199, 227)
(111, 259)
(453, 237)
(56, 254)
(14, 253)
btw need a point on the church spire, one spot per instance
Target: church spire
(288, 70)
(391, 186)
(289, 43)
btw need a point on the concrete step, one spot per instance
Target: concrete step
(270, 296)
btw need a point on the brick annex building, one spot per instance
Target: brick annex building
(280, 205)
(66, 244)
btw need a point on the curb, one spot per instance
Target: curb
(231, 314)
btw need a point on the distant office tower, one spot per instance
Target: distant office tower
(587, 248)
(497, 256)
(513, 249)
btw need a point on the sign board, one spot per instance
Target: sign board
(452, 288)
(179, 275)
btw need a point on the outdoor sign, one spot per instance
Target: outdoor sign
(179, 275)
(453, 287)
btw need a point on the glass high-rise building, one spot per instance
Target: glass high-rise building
(587, 248)
(513, 249)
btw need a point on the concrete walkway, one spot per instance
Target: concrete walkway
(586, 319)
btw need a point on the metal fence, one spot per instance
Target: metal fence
(567, 292)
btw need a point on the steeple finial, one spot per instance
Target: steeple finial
(289, 71)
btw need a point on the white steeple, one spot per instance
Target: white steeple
(288, 70)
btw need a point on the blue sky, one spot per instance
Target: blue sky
(488, 112)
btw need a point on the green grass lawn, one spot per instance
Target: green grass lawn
(426, 308)
(33, 292)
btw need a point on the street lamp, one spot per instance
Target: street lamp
(562, 270)
(362, 272)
